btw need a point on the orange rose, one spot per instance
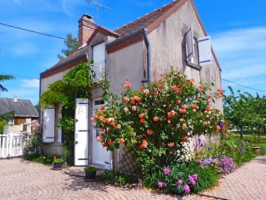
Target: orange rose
(122, 140)
(112, 123)
(193, 106)
(141, 115)
(178, 101)
(149, 132)
(110, 142)
(155, 118)
(142, 120)
(126, 99)
(118, 126)
(218, 128)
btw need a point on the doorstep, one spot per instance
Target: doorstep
(79, 171)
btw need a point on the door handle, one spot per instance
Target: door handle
(76, 142)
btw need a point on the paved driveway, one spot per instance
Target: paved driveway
(21, 180)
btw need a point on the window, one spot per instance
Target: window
(99, 61)
(198, 51)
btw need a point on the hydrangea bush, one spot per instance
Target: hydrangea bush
(156, 121)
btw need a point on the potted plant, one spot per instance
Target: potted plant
(256, 149)
(90, 172)
(58, 163)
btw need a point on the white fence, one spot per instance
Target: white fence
(12, 145)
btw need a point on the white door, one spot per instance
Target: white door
(81, 132)
(101, 156)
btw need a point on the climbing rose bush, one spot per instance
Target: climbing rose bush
(156, 121)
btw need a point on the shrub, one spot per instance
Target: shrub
(156, 121)
(226, 165)
(181, 178)
(116, 178)
(44, 159)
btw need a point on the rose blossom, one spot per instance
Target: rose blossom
(134, 108)
(179, 182)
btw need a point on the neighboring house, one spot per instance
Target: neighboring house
(140, 51)
(25, 112)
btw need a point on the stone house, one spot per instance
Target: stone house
(140, 51)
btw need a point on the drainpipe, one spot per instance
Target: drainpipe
(147, 43)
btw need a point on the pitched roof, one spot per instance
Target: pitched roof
(22, 108)
(144, 21)
(78, 53)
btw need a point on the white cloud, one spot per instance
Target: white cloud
(33, 83)
(241, 52)
(25, 49)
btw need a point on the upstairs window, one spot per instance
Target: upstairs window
(198, 50)
(99, 61)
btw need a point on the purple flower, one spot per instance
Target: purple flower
(166, 171)
(187, 189)
(221, 123)
(179, 182)
(201, 145)
(195, 176)
(191, 180)
(160, 184)
(199, 140)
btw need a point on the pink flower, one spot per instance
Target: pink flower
(187, 189)
(125, 109)
(92, 119)
(146, 91)
(166, 171)
(134, 108)
(160, 184)
(201, 167)
(200, 161)
(179, 182)
(192, 181)
(195, 176)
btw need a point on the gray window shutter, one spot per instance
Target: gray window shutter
(189, 43)
(205, 53)
(48, 125)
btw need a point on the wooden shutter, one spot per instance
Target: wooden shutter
(48, 125)
(189, 43)
(205, 53)
(99, 61)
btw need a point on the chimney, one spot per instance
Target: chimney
(86, 28)
(15, 99)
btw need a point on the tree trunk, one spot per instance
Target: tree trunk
(241, 131)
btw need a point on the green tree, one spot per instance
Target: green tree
(71, 44)
(2, 79)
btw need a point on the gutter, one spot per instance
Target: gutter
(147, 43)
(65, 63)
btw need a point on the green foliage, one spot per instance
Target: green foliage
(2, 79)
(154, 121)
(77, 83)
(58, 160)
(246, 112)
(71, 44)
(116, 178)
(7, 116)
(90, 169)
(33, 143)
(44, 159)
(3, 123)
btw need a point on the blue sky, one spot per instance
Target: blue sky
(237, 28)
